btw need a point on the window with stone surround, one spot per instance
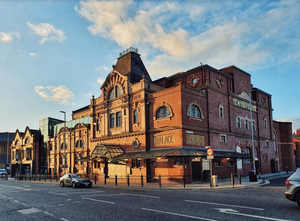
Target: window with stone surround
(118, 119)
(265, 122)
(222, 138)
(112, 120)
(162, 112)
(135, 117)
(79, 143)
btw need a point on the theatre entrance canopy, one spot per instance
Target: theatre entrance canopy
(107, 151)
(180, 152)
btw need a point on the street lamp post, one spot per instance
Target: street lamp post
(7, 144)
(253, 149)
(64, 144)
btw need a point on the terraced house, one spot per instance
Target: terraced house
(139, 126)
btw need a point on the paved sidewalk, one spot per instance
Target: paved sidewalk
(196, 186)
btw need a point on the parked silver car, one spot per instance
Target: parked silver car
(75, 180)
(292, 190)
(2, 172)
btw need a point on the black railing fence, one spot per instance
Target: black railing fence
(131, 180)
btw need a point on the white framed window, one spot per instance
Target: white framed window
(222, 138)
(238, 122)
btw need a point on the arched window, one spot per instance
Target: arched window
(115, 92)
(135, 117)
(63, 145)
(265, 122)
(27, 141)
(66, 160)
(194, 111)
(162, 112)
(247, 151)
(111, 94)
(17, 143)
(79, 143)
(61, 159)
(119, 91)
(221, 111)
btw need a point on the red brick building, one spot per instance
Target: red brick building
(151, 128)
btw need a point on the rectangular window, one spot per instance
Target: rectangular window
(267, 144)
(238, 122)
(265, 123)
(133, 163)
(221, 113)
(230, 163)
(119, 119)
(246, 124)
(223, 138)
(112, 120)
(217, 163)
(176, 162)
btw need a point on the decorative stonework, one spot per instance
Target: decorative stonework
(194, 80)
(135, 144)
(220, 82)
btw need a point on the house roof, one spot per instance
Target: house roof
(130, 64)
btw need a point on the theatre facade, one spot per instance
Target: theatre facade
(138, 126)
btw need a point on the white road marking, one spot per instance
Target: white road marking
(29, 211)
(220, 204)
(61, 194)
(102, 201)
(64, 219)
(157, 197)
(177, 214)
(233, 212)
(17, 201)
(50, 214)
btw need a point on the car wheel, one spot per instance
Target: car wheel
(73, 185)
(62, 184)
(298, 199)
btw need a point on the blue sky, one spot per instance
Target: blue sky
(54, 55)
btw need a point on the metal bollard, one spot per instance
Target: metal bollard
(142, 180)
(116, 180)
(105, 179)
(159, 178)
(127, 180)
(287, 169)
(183, 177)
(240, 178)
(95, 179)
(232, 179)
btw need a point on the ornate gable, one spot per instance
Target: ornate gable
(114, 78)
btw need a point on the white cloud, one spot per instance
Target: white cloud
(32, 54)
(60, 94)
(185, 34)
(100, 81)
(8, 37)
(48, 32)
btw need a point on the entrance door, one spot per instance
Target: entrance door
(196, 169)
(273, 166)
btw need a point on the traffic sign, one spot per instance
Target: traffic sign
(210, 157)
(209, 152)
